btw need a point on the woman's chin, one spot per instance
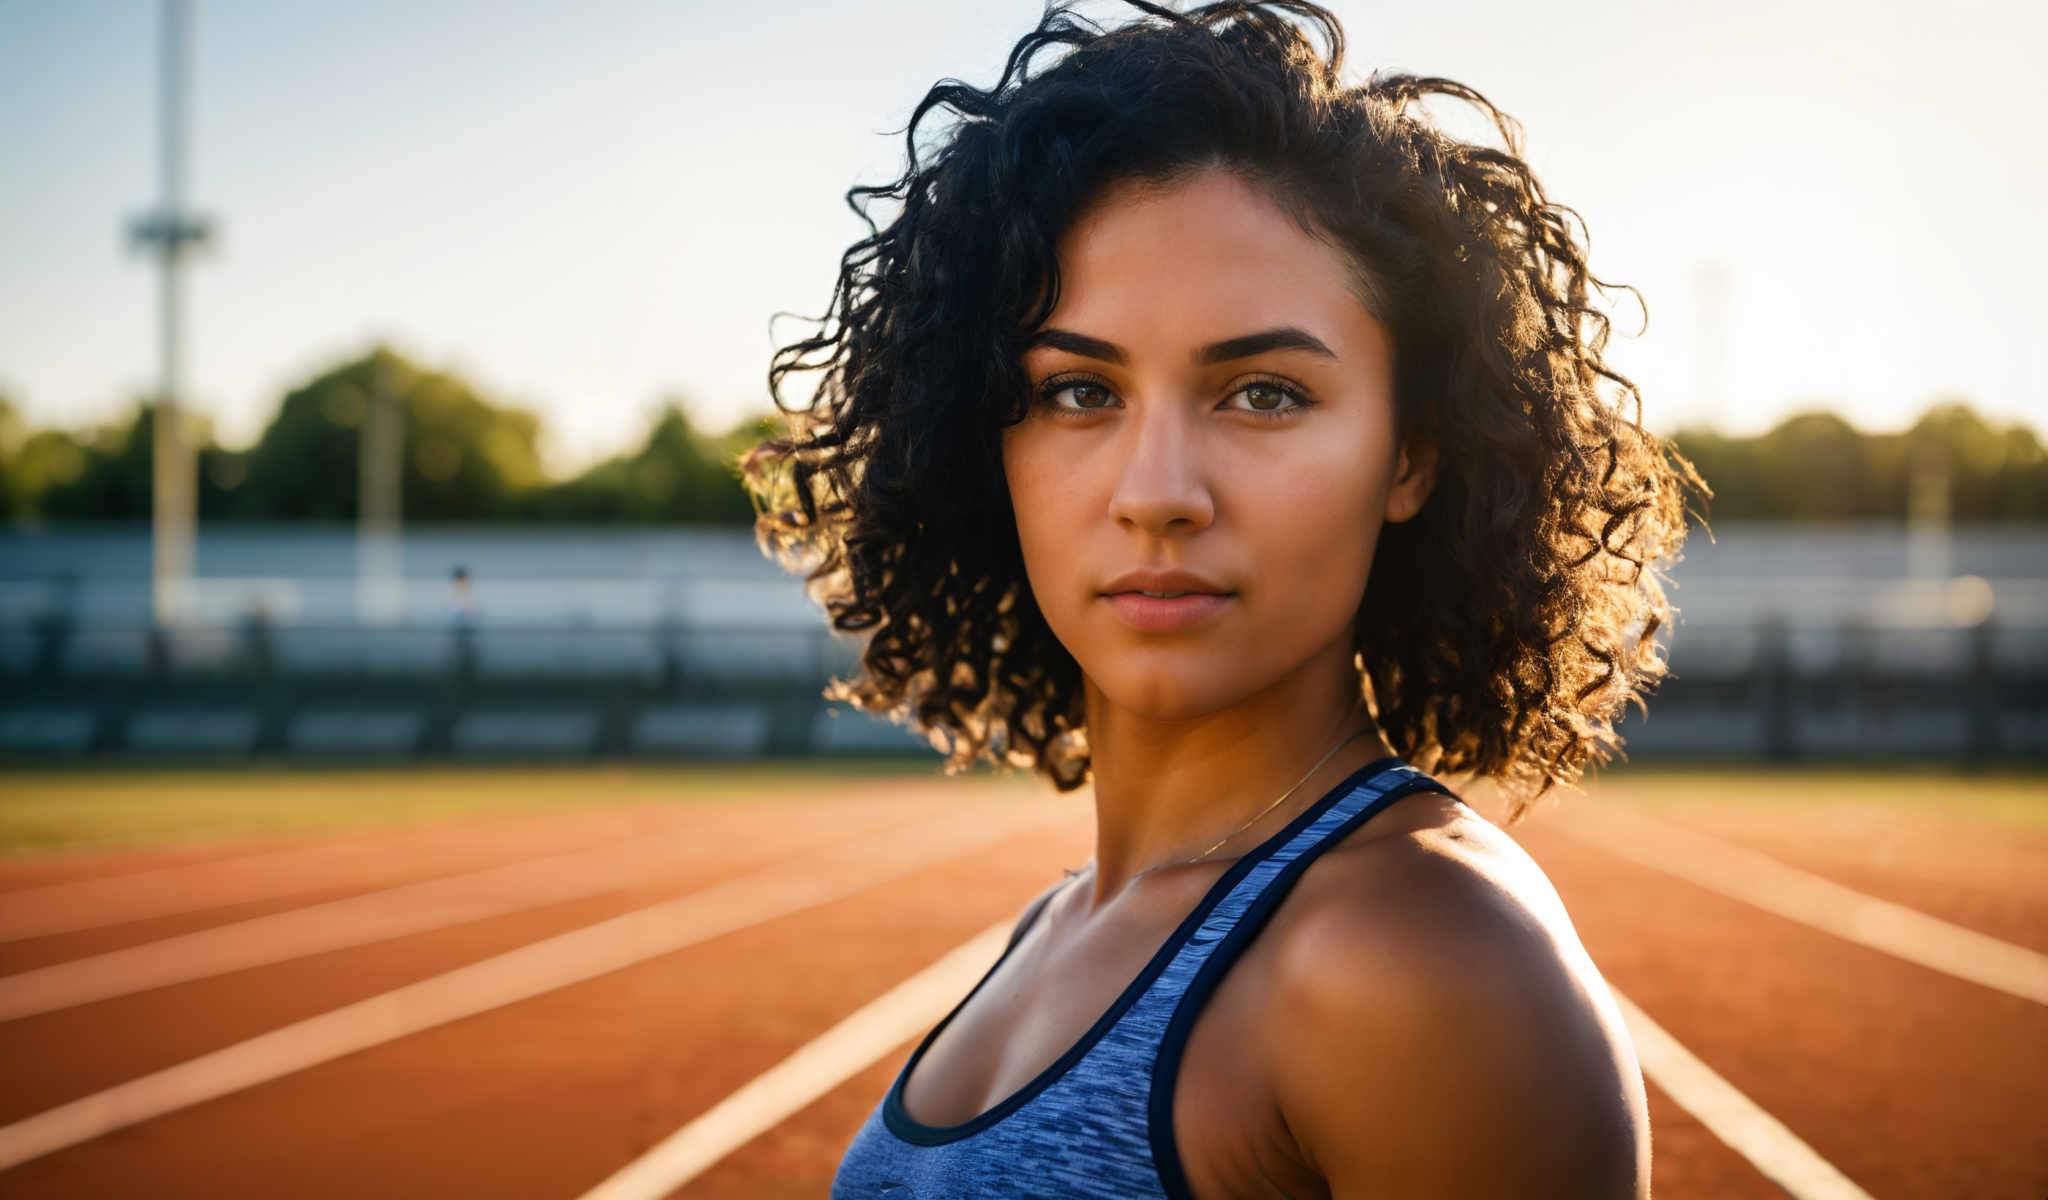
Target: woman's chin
(1170, 698)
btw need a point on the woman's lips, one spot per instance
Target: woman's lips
(1166, 614)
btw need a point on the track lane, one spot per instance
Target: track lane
(389, 913)
(57, 1057)
(1979, 874)
(406, 802)
(370, 869)
(282, 874)
(125, 889)
(489, 1089)
(1767, 884)
(505, 980)
(1910, 1082)
(549, 1096)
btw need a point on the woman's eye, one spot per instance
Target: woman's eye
(1262, 397)
(1265, 397)
(1079, 397)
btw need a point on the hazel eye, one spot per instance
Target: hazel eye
(1266, 396)
(1077, 396)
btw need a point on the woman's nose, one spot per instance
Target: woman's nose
(1160, 487)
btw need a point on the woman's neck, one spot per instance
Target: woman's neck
(1166, 791)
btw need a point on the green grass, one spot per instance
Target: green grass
(64, 809)
(2014, 796)
(45, 810)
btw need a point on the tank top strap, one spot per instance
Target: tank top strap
(1263, 878)
(1162, 1017)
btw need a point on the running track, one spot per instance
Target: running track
(524, 1006)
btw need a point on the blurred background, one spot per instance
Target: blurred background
(463, 311)
(371, 379)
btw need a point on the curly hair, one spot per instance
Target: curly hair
(1503, 629)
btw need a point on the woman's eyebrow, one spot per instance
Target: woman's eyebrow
(1077, 343)
(1290, 337)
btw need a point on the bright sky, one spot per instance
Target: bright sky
(587, 207)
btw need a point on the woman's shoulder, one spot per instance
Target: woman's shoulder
(1428, 869)
(1445, 1031)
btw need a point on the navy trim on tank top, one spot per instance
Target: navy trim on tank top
(908, 1128)
(1166, 1068)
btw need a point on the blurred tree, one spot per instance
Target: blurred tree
(1813, 465)
(1992, 473)
(1816, 466)
(105, 475)
(676, 475)
(15, 498)
(46, 459)
(113, 475)
(466, 459)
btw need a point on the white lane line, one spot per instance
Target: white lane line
(915, 1005)
(377, 916)
(1763, 882)
(516, 975)
(1731, 1116)
(903, 1012)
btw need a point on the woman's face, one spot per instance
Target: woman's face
(1202, 477)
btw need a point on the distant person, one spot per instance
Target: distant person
(462, 620)
(1229, 438)
(55, 625)
(461, 600)
(257, 631)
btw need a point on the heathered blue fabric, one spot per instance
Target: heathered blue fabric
(1087, 1125)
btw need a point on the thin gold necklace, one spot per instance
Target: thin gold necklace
(1327, 756)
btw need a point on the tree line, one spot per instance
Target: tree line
(1816, 466)
(464, 457)
(467, 457)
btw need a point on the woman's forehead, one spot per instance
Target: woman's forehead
(1209, 256)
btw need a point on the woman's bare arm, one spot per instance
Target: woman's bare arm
(1443, 1035)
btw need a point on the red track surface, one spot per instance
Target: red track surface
(1910, 1082)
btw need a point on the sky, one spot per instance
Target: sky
(588, 208)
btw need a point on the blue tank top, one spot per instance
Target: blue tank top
(1098, 1122)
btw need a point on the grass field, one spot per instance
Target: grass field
(73, 809)
(2008, 795)
(54, 810)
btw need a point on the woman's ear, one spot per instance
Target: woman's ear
(1414, 477)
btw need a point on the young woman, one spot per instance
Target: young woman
(1227, 437)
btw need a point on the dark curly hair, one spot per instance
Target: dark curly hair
(1529, 585)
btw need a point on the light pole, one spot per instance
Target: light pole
(168, 234)
(1710, 288)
